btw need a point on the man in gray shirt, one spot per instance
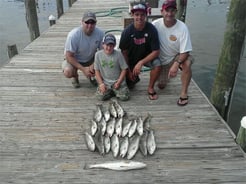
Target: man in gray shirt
(80, 47)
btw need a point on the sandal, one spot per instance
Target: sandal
(152, 96)
(182, 101)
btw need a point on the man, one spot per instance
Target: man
(80, 47)
(139, 44)
(175, 48)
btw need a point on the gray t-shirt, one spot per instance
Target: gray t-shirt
(82, 45)
(110, 66)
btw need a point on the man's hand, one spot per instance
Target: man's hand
(88, 72)
(137, 68)
(173, 70)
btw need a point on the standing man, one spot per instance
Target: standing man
(139, 45)
(80, 47)
(175, 48)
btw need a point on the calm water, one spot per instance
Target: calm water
(206, 20)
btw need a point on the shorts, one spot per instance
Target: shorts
(163, 78)
(154, 63)
(66, 64)
(151, 64)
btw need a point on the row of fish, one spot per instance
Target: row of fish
(112, 130)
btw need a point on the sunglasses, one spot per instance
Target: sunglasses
(90, 22)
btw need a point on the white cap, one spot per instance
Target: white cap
(52, 17)
(243, 122)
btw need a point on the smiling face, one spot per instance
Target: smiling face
(89, 26)
(169, 15)
(108, 48)
(139, 19)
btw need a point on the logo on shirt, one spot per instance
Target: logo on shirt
(139, 41)
(110, 63)
(172, 38)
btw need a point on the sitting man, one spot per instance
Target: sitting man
(175, 44)
(139, 45)
(80, 47)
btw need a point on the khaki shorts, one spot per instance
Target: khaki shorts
(163, 78)
(66, 64)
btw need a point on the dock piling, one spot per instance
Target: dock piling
(241, 136)
(12, 50)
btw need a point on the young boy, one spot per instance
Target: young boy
(110, 70)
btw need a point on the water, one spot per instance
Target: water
(205, 19)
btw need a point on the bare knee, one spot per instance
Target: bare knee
(186, 67)
(68, 72)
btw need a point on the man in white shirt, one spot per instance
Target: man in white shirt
(175, 48)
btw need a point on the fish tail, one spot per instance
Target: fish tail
(86, 166)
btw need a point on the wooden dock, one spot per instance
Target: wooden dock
(43, 120)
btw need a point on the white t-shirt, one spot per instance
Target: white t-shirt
(173, 40)
(83, 46)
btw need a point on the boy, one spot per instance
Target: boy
(110, 70)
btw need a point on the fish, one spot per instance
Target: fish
(146, 121)
(132, 128)
(107, 143)
(133, 146)
(110, 127)
(106, 114)
(118, 126)
(99, 142)
(126, 128)
(140, 126)
(123, 165)
(124, 146)
(115, 145)
(93, 127)
(98, 114)
(103, 126)
(120, 111)
(143, 143)
(112, 109)
(89, 142)
(151, 144)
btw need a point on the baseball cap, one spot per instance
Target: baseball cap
(89, 16)
(169, 3)
(139, 7)
(109, 39)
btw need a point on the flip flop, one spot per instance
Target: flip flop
(93, 81)
(181, 102)
(152, 96)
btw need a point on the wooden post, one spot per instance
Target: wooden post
(153, 3)
(241, 136)
(32, 19)
(70, 2)
(230, 56)
(12, 51)
(181, 5)
(60, 10)
(52, 20)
